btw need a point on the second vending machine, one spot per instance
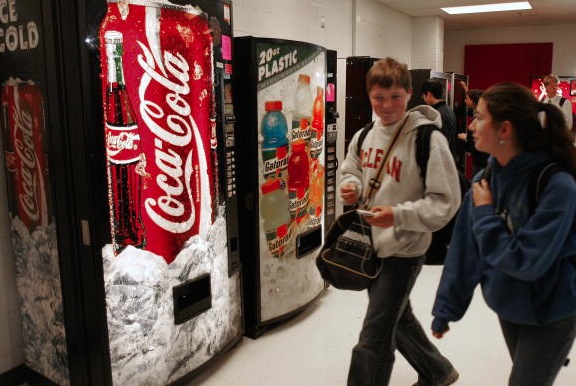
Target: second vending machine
(279, 88)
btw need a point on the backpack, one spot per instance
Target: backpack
(436, 253)
(537, 182)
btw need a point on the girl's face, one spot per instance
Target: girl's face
(389, 104)
(483, 131)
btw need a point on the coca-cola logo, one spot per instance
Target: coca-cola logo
(173, 128)
(125, 140)
(30, 177)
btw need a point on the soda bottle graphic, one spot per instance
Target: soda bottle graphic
(298, 181)
(302, 109)
(317, 132)
(316, 203)
(274, 131)
(276, 217)
(10, 157)
(126, 161)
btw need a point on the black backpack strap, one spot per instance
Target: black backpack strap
(423, 147)
(539, 179)
(362, 136)
(423, 135)
(562, 100)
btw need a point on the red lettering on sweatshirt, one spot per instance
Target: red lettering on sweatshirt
(393, 168)
(364, 155)
(372, 158)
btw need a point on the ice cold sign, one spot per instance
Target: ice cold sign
(16, 35)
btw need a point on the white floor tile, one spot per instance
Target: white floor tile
(313, 348)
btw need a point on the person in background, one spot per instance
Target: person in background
(406, 211)
(519, 255)
(479, 158)
(432, 91)
(551, 85)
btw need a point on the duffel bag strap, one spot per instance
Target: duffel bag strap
(376, 181)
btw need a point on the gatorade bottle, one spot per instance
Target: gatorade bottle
(316, 196)
(298, 181)
(276, 217)
(302, 109)
(274, 130)
(317, 132)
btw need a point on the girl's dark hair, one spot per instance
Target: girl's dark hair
(388, 72)
(516, 103)
(474, 96)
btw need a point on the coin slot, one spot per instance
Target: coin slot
(308, 241)
(192, 298)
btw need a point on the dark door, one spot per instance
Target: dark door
(358, 110)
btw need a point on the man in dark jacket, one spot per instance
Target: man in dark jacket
(432, 91)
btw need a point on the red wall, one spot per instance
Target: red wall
(487, 64)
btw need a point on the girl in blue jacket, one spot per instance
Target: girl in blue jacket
(521, 256)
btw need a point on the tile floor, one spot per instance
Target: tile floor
(313, 348)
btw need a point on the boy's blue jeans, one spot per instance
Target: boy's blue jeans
(538, 352)
(389, 324)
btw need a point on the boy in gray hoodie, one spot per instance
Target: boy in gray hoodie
(406, 212)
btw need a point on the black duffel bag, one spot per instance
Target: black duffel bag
(347, 259)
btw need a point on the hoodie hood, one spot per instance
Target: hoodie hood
(423, 115)
(521, 164)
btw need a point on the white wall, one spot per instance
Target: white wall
(428, 43)
(563, 37)
(323, 22)
(381, 32)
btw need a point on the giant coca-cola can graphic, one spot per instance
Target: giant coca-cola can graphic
(23, 129)
(161, 178)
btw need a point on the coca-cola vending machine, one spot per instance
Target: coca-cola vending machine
(142, 266)
(171, 270)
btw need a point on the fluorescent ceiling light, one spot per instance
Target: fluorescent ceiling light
(488, 8)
